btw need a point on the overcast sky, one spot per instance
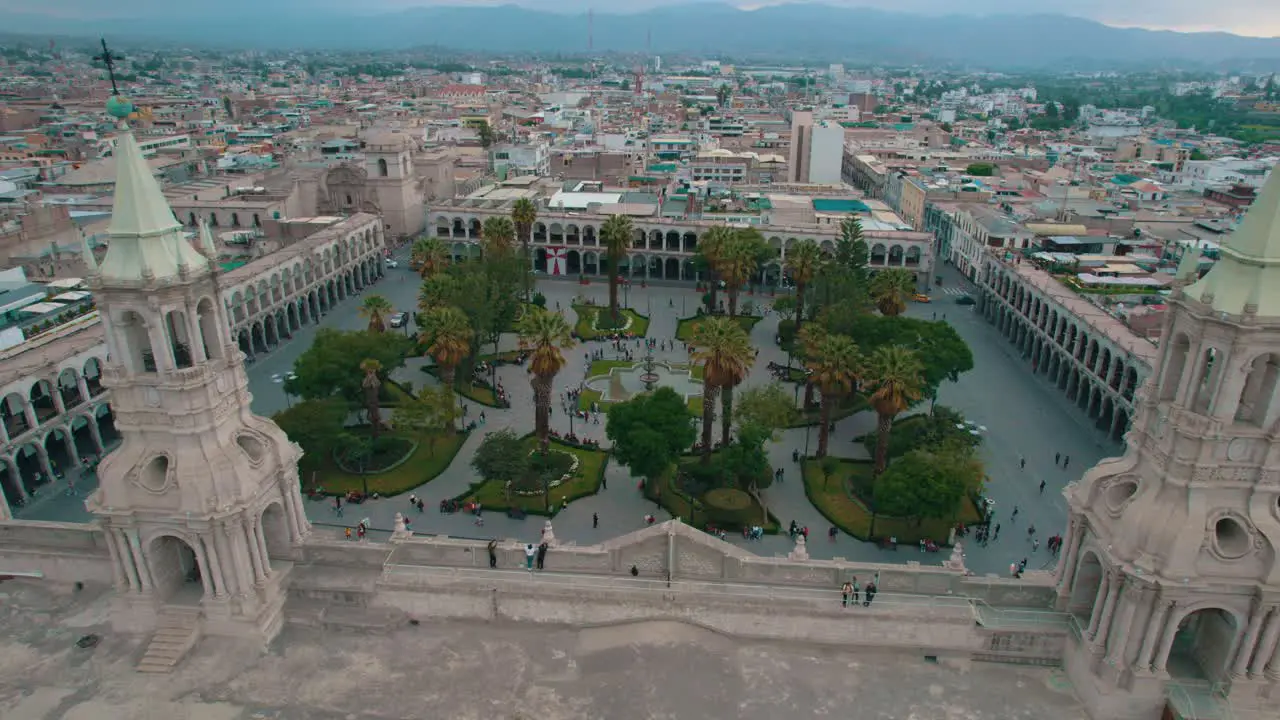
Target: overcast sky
(1246, 17)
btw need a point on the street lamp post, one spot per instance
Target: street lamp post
(806, 440)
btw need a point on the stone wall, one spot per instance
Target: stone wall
(61, 552)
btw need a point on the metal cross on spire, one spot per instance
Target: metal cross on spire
(109, 59)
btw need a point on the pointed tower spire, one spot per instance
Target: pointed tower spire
(1247, 278)
(86, 253)
(207, 246)
(1188, 268)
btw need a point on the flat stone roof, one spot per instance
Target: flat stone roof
(485, 671)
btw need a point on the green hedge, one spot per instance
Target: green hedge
(434, 453)
(585, 482)
(586, 317)
(684, 330)
(479, 394)
(851, 406)
(666, 493)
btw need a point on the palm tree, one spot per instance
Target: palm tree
(711, 250)
(499, 235)
(835, 365)
(372, 385)
(803, 260)
(739, 261)
(616, 234)
(893, 377)
(376, 308)
(725, 351)
(429, 255)
(544, 334)
(449, 336)
(524, 214)
(890, 289)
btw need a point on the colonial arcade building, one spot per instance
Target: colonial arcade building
(1171, 562)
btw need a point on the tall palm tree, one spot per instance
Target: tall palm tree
(724, 350)
(711, 251)
(894, 378)
(835, 365)
(803, 260)
(449, 336)
(499, 235)
(429, 255)
(524, 214)
(616, 234)
(544, 334)
(376, 309)
(890, 289)
(372, 385)
(739, 262)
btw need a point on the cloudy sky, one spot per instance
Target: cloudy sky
(1246, 17)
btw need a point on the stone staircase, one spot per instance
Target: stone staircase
(177, 630)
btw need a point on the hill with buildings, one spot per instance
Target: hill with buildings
(793, 31)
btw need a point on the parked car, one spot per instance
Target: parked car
(398, 319)
(965, 300)
(921, 298)
(393, 263)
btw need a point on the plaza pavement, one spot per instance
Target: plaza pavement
(1025, 418)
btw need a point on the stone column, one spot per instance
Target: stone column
(227, 570)
(247, 528)
(45, 465)
(96, 435)
(116, 537)
(1249, 641)
(1133, 595)
(135, 548)
(161, 350)
(206, 570)
(1099, 602)
(215, 568)
(194, 338)
(1267, 646)
(72, 451)
(83, 387)
(1151, 635)
(6, 512)
(55, 394)
(1065, 573)
(260, 548)
(1115, 587)
(117, 562)
(29, 411)
(1166, 642)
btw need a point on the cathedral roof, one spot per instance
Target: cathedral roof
(1248, 274)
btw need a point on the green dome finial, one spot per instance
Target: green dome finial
(119, 106)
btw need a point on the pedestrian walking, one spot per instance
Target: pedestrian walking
(421, 505)
(1041, 487)
(542, 555)
(857, 590)
(348, 533)
(1022, 463)
(413, 500)
(482, 417)
(1066, 460)
(337, 505)
(493, 554)
(529, 552)
(595, 520)
(1057, 458)
(1031, 531)
(845, 592)
(872, 589)
(996, 534)
(1015, 513)
(604, 482)
(1035, 544)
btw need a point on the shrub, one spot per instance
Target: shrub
(540, 300)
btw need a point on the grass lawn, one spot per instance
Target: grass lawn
(585, 481)
(429, 459)
(475, 393)
(684, 331)
(853, 405)
(666, 493)
(586, 318)
(602, 367)
(834, 498)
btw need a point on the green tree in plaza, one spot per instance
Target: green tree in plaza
(375, 309)
(926, 484)
(803, 260)
(785, 306)
(316, 425)
(724, 350)
(767, 408)
(371, 384)
(432, 411)
(331, 366)
(487, 292)
(893, 377)
(891, 288)
(616, 234)
(501, 457)
(544, 334)
(449, 337)
(722, 94)
(711, 251)
(524, 214)
(498, 235)
(429, 256)
(834, 363)
(940, 349)
(650, 431)
(739, 262)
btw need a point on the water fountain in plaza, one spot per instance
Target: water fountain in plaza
(624, 382)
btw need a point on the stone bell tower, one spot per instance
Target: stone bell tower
(1170, 566)
(200, 502)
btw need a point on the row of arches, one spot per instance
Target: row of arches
(234, 219)
(31, 465)
(46, 399)
(1211, 383)
(359, 254)
(264, 333)
(1103, 385)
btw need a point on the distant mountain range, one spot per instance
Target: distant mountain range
(795, 31)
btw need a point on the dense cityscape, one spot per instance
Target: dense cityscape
(333, 380)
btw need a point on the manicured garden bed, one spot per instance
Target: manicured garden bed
(482, 394)
(429, 458)
(684, 330)
(588, 328)
(585, 480)
(840, 499)
(665, 491)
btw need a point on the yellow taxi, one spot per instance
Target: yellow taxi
(921, 298)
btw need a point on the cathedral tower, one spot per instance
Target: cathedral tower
(1170, 565)
(200, 502)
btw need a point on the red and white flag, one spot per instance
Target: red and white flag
(556, 263)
